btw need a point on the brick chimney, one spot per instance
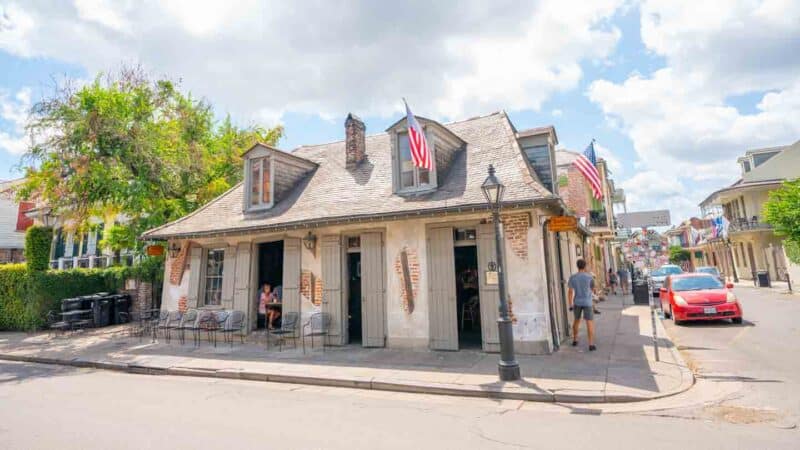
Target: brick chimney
(355, 142)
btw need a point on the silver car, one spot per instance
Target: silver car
(711, 270)
(658, 276)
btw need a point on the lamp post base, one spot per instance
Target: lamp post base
(508, 371)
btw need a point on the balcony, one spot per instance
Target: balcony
(742, 224)
(598, 219)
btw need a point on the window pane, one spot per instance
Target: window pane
(406, 164)
(265, 183)
(424, 176)
(407, 179)
(255, 180)
(405, 150)
(213, 288)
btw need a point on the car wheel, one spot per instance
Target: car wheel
(737, 320)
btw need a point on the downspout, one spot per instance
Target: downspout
(548, 280)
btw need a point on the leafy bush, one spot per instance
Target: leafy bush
(37, 247)
(677, 254)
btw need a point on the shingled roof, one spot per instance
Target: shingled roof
(335, 194)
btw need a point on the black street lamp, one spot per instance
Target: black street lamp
(508, 367)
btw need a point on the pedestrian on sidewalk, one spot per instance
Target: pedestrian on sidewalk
(622, 273)
(581, 287)
(612, 281)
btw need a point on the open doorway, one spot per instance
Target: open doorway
(270, 272)
(354, 298)
(467, 296)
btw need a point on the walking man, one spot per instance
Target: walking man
(581, 288)
(623, 279)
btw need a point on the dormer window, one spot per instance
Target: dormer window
(411, 176)
(260, 183)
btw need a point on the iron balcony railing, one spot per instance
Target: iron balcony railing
(598, 219)
(742, 224)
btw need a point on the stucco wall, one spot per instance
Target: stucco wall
(409, 328)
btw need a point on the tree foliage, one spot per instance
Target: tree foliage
(37, 247)
(782, 211)
(129, 144)
(678, 254)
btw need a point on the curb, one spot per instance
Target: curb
(367, 383)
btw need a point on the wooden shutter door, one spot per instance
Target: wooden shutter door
(291, 275)
(195, 273)
(242, 299)
(228, 274)
(331, 255)
(489, 294)
(373, 303)
(443, 314)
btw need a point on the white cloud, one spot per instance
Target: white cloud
(611, 159)
(14, 112)
(557, 113)
(256, 60)
(679, 117)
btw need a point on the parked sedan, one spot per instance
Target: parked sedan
(699, 296)
(659, 275)
(711, 270)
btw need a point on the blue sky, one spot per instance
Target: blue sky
(673, 91)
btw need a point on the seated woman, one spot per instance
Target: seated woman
(274, 311)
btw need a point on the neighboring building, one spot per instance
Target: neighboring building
(13, 223)
(750, 245)
(598, 215)
(398, 256)
(693, 236)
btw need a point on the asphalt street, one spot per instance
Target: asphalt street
(44, 406)
(762, 355)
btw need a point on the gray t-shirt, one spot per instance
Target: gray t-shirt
(582, 283)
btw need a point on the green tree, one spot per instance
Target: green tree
(128, 144)
(37, 247)
(782, 211)
(678, 254)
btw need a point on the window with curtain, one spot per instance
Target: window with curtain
(260, 182)
(215, 260)
(411, 177)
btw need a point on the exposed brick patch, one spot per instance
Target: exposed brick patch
(576, 194)
(182, 304)
(318, 291)
(311, 287)
(411, 268)
(178, 265)
(511, 310)
(515, 228)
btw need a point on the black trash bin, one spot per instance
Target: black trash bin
(641, 293)
(121, 305)
(763, 279)
(102, 311)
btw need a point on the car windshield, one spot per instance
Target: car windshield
(695, 283)
(711, 270)
(667, 270)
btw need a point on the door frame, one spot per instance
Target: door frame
(345, 286)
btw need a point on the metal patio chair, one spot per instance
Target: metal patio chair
(188, 322)
(172, 323)
(219, 319)
(158, 323)
(233, 324)
(55, 324)
(288, 330)
(318, 324)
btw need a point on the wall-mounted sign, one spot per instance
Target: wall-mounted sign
(562, 223)
(644, 219)
(491, 277)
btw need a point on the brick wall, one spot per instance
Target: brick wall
(413, 277)
(515, 229)
(575, 193)
(311, 287)
(178, 264)
(141, 297)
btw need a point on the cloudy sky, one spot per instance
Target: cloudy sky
(672, 90)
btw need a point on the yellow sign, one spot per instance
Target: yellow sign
(491, 277)
(562, 223)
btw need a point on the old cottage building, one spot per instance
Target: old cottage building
(397, 255)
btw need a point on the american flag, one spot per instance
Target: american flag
(587, 166)
(420, 154)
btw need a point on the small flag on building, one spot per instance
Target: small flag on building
(420, 154)
(586, 164)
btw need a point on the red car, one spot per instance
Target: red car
(699, 296)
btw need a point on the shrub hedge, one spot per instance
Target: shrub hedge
(26, 296)
(37, 247)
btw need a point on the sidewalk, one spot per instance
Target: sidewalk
(779, 287)
(621, 370)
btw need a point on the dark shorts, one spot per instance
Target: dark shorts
(586, 311)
